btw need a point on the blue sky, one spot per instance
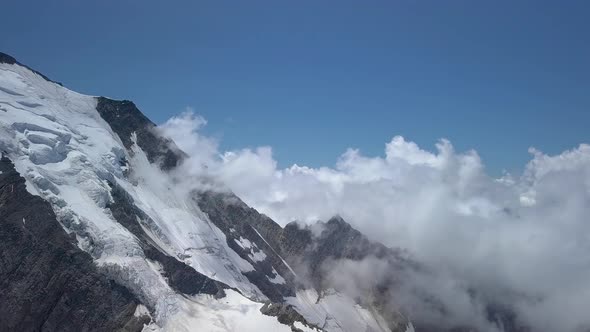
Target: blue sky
(312, 78)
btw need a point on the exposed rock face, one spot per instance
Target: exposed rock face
(126, 119)
(238, 222)
(295, 243)
(46, 282)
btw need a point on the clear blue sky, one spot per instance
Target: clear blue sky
(311, 78)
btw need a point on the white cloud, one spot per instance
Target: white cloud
(183, 129)
(528, 234)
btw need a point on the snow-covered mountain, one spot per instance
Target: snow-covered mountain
(100, 231)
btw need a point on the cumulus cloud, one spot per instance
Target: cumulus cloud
(523, 240)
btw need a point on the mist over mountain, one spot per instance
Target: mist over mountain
(517, 241)
(111, 222)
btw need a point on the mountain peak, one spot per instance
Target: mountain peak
(8, 59)
(338, 221)
(5, 58)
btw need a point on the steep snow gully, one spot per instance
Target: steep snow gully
(136, 243)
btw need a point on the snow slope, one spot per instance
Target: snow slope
(68, 155)
(335, 312)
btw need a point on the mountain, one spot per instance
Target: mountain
(103, 229)
(100, 231)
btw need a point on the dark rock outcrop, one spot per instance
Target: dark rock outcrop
(125, 119)
(238, 221)
(46, 282)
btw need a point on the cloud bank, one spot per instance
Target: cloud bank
(520, 240)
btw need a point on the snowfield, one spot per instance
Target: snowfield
(231, 313)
